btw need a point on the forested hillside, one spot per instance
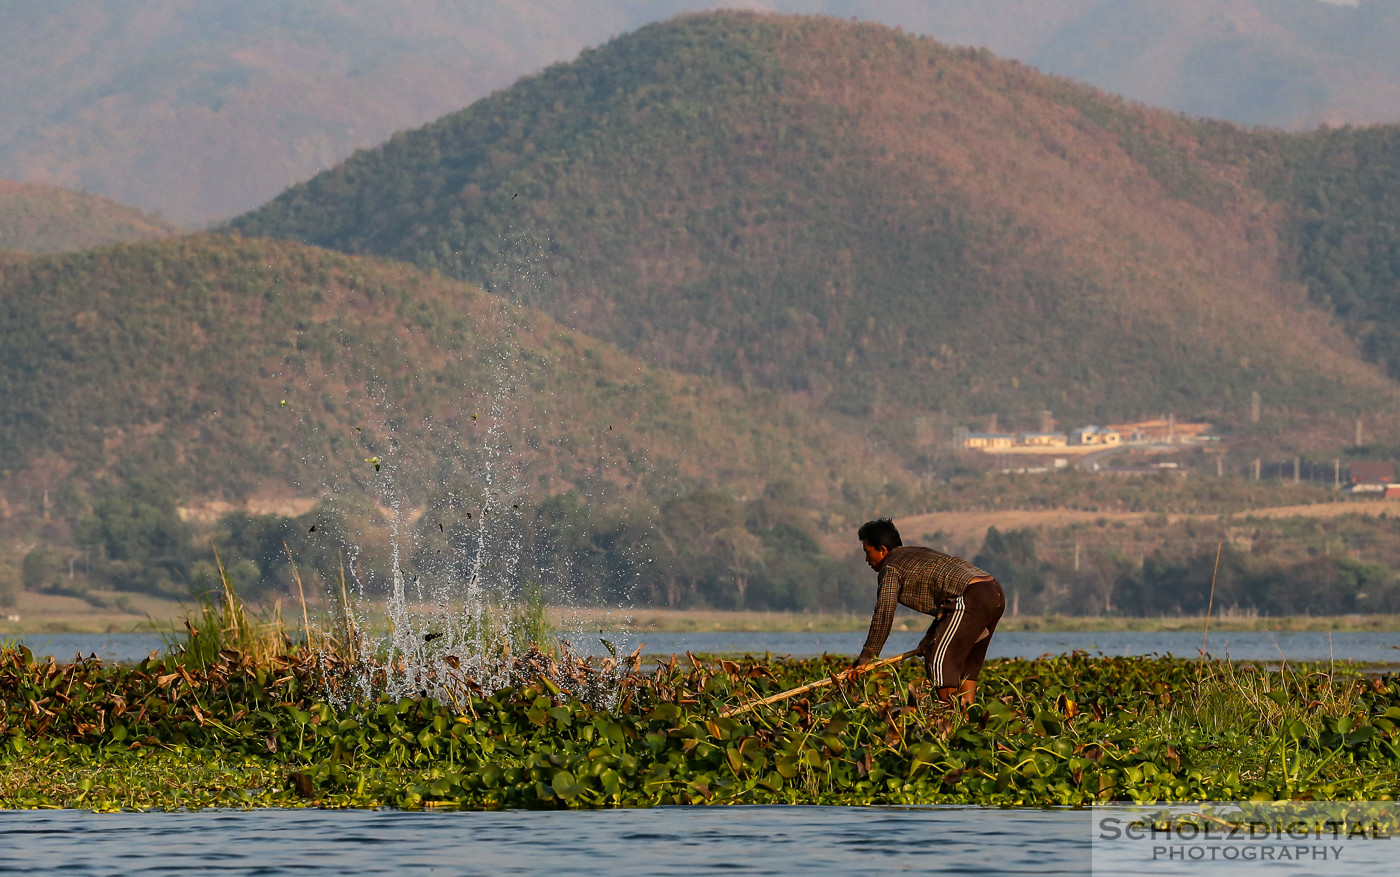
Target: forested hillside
(871, 221)
(1341, 192)
(35, 218)
(202, 371)
(831, 228)
(224, 364)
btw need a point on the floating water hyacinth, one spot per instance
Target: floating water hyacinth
(233, 732)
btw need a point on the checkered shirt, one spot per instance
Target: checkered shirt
(925, 580)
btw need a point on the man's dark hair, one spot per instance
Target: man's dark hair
(881, 534)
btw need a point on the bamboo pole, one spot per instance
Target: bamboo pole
(821, 683)
(1205, 638)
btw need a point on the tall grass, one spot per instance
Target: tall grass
(501, 630)
(1260, 717)
(222, 622)
(529, 625)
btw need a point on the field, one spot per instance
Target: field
(36, 612)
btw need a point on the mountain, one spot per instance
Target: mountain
(232, 367)
(36, 218)
(1285, 63)
(200, 111)
(1340, 194)
(875, 224)
(1290, 64)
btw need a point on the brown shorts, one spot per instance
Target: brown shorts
(962, 632)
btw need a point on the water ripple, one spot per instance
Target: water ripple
(662, 841)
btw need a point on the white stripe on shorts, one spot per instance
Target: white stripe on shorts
(936, 665)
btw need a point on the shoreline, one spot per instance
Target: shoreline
(646, 620)
(716, 621)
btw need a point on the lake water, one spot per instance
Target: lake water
(1369, 647)
(616, 843)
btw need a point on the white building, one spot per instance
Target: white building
(1095, 435)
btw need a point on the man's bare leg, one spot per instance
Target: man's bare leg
(964, 693)
(968, 691)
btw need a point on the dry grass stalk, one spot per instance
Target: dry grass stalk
(301, 592)
(351, 638)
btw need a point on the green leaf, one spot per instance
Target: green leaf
(666, 712)
(564, 785)
(787, 766)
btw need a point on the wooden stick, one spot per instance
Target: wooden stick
(801, 689)
(1205, 638)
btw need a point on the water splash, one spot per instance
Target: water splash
(434, 580)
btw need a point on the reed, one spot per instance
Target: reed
(529, 625)
(499, 630)
(221, 623)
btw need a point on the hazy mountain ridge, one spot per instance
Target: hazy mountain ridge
(1284, 63)
(35, 218)
(201, 111)
(207, 110)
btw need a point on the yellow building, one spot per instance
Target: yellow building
(988, 441)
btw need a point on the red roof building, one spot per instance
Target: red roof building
(1371, 472)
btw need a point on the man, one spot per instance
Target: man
(966, 604)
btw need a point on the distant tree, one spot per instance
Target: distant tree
(142, 543)
(1137, 592)
(1329, 586)
(697, 540)
(1168, 586)
(39, 569)
(9, 585)
(585, 553)
(1012, 559)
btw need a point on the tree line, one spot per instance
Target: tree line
(704, 549)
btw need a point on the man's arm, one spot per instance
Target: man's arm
(883, 618)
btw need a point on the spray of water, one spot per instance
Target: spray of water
(437, 591)
(450, 617)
